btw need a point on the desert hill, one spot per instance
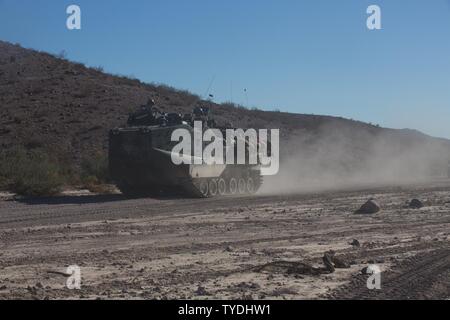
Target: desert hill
(67, 109)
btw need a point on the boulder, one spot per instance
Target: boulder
(201, 291)
(416, 204)
(229, 249)
(369, 207)
(355, 243)
(339, 263)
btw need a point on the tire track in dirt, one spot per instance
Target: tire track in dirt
(169, 247)
(59, 210)
(424, 276)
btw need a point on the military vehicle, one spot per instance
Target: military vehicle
(140, 158)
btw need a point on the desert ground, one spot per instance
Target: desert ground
(258, 247)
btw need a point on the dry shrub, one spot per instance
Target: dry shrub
(30, 173)
(95, 173)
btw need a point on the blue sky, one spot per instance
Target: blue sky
(303, 56)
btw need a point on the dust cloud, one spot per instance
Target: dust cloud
(337, 156)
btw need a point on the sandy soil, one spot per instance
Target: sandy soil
(214, 248)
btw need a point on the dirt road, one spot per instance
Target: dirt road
(212, 248)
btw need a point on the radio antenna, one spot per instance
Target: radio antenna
(231, 91)
(246, 95)
(209, 87)
(206, 95)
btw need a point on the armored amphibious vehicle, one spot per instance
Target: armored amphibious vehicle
(140, 158)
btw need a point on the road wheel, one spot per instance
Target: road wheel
(233, 186)
(203, 188)
(250, 186)
(242, 186)
(222, 187)
(212, 188)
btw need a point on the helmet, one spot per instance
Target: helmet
(150, 102)
(198, 111)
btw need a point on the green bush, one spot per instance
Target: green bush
(30, 173)
(95, 173)
(95, 168)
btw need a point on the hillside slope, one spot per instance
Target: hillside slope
(47, 100)
(68, 109)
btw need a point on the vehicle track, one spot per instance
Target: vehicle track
(67, 209)
(168, 247)
(424, 276)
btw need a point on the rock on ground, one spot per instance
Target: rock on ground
(369, 207)
(416, 204)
